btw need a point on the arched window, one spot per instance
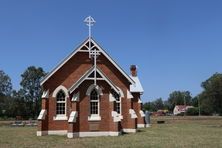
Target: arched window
(94, 102)
(117, 102)
(60, 103)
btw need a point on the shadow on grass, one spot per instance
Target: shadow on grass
(138, 131)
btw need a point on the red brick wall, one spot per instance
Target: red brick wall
(56, 124)
(137, 107)
(84, 107)
(43, 124)
(68, 75)
(70, 72)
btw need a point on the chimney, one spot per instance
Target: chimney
(133, 70)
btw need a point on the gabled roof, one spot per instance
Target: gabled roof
(78, 49)
(183, 108)
(86, 77)
(81, 79)
(137, 87)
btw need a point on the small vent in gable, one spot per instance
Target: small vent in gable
(95, 48)
(98, 75)
(92, 75)
(87, 44)
(84, 48)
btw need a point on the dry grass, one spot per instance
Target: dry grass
(177, 132)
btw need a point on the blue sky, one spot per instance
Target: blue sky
(176, 44)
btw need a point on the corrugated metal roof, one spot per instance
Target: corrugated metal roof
(137, 87)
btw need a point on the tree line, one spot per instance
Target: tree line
(25, 102)
(208, 102)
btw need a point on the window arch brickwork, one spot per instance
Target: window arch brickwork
(60, 103)
(94, 102)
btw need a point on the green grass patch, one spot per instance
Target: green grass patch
(183, 132)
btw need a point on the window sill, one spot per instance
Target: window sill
(60, 117)
(120, 116)
(94, 118)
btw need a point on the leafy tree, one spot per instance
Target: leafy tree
(193, 111)
(158, 104)
(18, 106)
(5, 84)
(31, 89)
(195, 101)
(179, 98)
(149, 106)
(211, 98)
(166, 105)
(155, 105)
(5, 91)
(3, 104)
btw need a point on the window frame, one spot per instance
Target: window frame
(116, 95)
(92, 116)
(61, 102)
(61, 116)
(94, 101)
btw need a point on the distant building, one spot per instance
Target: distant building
(178, 109)
(160, 112)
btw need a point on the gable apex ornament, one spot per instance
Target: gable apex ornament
(89, 22)
(92, 54)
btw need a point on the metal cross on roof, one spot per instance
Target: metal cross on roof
(92, 54)
(89, 22)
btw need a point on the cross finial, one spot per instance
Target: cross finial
(89, 22)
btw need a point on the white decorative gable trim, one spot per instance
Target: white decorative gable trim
(45, 94)
(132, 113)
(129, 95)
(114, 63)
(142, 113)
(107, 79)
(42, 114)
(73, 116)
(96, 87)
(86, 77)
(81, 79)
(75, 97)
(78, 49)
(58, 89)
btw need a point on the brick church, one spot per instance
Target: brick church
(89, 94)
